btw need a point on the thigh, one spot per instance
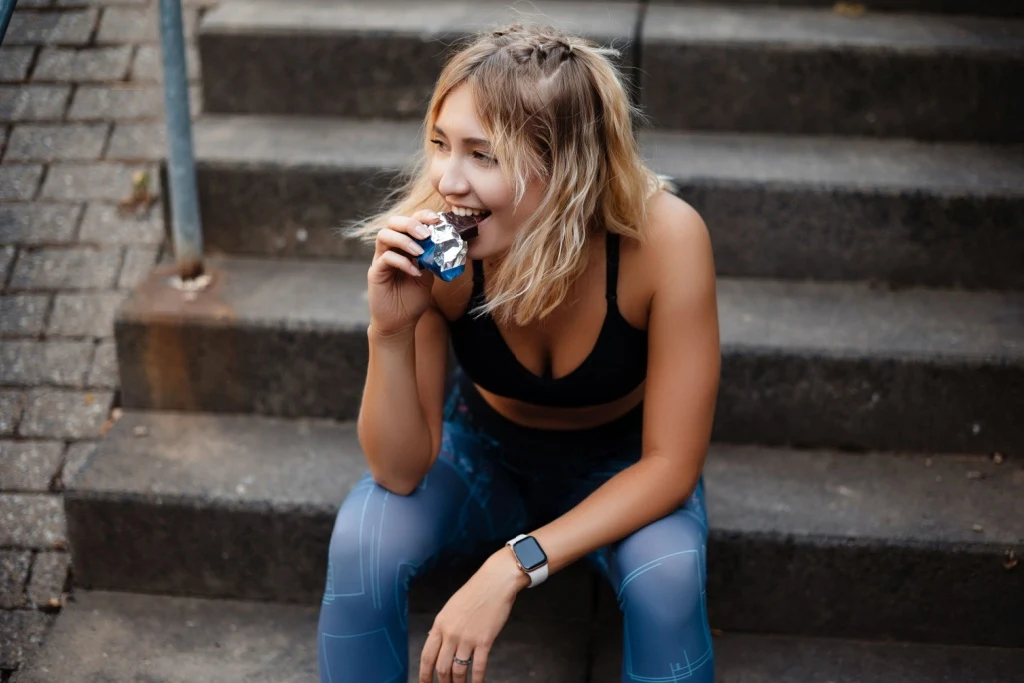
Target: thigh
(658, 574)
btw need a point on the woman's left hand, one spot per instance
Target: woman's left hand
(470, 621)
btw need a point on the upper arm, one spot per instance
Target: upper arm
(431, 371)
(684, 357)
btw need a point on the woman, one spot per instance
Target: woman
(577, 426)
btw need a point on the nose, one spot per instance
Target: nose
(453, 181)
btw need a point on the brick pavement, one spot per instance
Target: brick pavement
(81, 110)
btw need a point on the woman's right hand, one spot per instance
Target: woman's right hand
(399, 292)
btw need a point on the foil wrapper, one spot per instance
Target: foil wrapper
(444, 252)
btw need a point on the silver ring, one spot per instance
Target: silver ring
(464, 662)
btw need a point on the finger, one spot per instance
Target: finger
(426, 216)
(445, 657)
(461, 671)
(392, 239)
(393, 259)
(480, 663)
(428, 657)
(409, 226)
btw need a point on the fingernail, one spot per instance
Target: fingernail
(422, 231)
(417, 249)
(431, 214)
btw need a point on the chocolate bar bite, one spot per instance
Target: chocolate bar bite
(444, 252)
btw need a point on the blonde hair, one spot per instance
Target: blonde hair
(553, 107)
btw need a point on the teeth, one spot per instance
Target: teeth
(460, 211)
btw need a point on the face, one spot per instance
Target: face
(465, 172)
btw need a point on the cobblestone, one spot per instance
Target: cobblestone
(21, 634)
(147, 65)
(103, 224)
(85, 315)
(109, 181)
(122, 103)
(77, 457)
(104, 373)
(88, 65)
(33, 363)
(67, 268)
(14, 568)
(33, 102)
(138, 264)
(61, 414)
(18, 182)
(147, 141)
(53, 142)
(49, 575)
(23, 314)
(12, 405)
(32, 521)
(52, 28)
(39, 224)
(15, 62)
(29, 465)
(139, 24)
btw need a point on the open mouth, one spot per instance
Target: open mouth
(466, 226)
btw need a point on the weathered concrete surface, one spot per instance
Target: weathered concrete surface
(810, 71)
(1007, 8)
(284, 338)
(124, 638)
(238, 507)
(747, 658)
(296, 58)
(777, 206)
(877, 545)
(852, 366)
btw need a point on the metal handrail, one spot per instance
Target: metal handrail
(187, 227)
(6, 10)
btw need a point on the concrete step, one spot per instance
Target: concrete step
(777, 206)
(297, 57)
(814, 71)
(806, 364)
(995, 8)
(879, 545)
(704, 67)
(125, 638)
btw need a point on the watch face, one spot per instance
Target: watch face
(529, 553)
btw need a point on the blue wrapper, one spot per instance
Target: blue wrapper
(428, 260)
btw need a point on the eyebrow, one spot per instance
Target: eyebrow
(467, 141)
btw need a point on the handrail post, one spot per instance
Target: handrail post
(181, 172)
(6, 10)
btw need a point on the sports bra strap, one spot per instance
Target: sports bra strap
(477, 297)
(612, 265)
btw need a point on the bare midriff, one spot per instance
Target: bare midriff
(550, 417)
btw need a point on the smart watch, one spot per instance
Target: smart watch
(530, 558)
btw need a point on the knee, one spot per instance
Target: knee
(662, 576)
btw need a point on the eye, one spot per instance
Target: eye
(484, 158)
(438, 143)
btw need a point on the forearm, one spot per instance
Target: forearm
(393, 429)
(632, 499)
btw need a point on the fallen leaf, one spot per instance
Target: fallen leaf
(54, 602)
(850, 10)
(90, 399)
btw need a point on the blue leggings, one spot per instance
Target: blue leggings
(494, 479)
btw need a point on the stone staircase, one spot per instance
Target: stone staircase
(863, 180)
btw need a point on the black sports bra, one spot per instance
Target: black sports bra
(615, 367)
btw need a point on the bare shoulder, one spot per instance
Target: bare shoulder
(677, 246)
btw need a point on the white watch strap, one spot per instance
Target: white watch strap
(538, 575)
